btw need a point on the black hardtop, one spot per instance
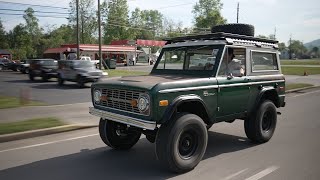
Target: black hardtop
(217, 36)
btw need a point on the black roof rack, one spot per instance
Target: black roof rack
(217, 36)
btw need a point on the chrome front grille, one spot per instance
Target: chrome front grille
(120, 99)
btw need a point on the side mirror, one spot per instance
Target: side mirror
(229, 76)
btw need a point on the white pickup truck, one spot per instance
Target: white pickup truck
(87, 58)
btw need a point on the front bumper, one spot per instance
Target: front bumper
(123, 119)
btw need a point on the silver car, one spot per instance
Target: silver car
(78, 71)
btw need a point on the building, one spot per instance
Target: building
(5, 54)
(144, 46)
(118, 52)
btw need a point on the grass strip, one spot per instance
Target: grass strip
(300, 70)
(31, 124)
(297, 86)
(12, 102)
(301, 62)
(116, 73)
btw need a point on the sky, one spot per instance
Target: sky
(299, 19)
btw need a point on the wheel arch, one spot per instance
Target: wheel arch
(267, 93)
(187, 103)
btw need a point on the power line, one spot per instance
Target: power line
(12, 14)
(35, 5)
(49, 12)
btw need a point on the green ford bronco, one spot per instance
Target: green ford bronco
(196, 82)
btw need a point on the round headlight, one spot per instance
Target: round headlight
(97, 96)
(143, 103)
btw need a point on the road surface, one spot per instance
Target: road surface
(292, 153)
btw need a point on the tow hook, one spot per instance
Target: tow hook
(279, 113)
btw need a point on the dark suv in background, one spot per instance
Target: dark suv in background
(44, 68)
(79, 71)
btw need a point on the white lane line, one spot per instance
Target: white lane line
(52, 142)
(234, 175)
(306, 93)
(263, 173)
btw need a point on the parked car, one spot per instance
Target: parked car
(4, 64)
(24, 66)
(14, 65)
(44, 68)
(79, 71)
(175, 104)
(87, 58)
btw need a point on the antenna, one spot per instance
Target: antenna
(238, 13)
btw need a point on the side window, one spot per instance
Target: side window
(233, 62)
(264, 61)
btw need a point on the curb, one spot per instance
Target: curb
(300, 89)
(42, 132)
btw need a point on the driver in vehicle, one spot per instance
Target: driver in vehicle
(230, 65)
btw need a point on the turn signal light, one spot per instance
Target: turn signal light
(103, 98)
(134, 103)
(163, 103)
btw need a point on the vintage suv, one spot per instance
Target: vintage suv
(178, 101)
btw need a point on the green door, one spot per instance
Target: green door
(233, 96)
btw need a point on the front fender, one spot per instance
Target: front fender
(178, 101)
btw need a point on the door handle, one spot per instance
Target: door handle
(247, 79)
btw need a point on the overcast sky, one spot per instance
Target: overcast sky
(299, 18)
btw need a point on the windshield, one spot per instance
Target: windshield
(83, 64)
(195, 58)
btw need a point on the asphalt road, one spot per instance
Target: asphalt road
(292, 153)
(12, 83)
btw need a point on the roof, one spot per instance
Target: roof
(91, 47)
(139, 42)
(218, 36)
(3, 51)
(55, 50)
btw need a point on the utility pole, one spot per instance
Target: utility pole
(78, 48)
(238, 13)
(290, 51)
(99, 27)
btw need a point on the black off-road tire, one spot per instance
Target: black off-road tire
(241, 29)
(44, 77)
(80, 81)
(260, 126)
(60, 80)
(109, 133)
(31, 76)
(182, 142)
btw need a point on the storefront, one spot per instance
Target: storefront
(119, 52)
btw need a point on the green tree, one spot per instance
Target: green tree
(87, 20)
(34, 33)
(3, 37)
(147, 24)
(117, 22)
(19, 42)
(315, 50)
(282, 46)
(297, 48)
(57, 37)
(207, 13)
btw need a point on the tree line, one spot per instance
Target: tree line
(29, 40)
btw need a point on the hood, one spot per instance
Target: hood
(143, 82)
